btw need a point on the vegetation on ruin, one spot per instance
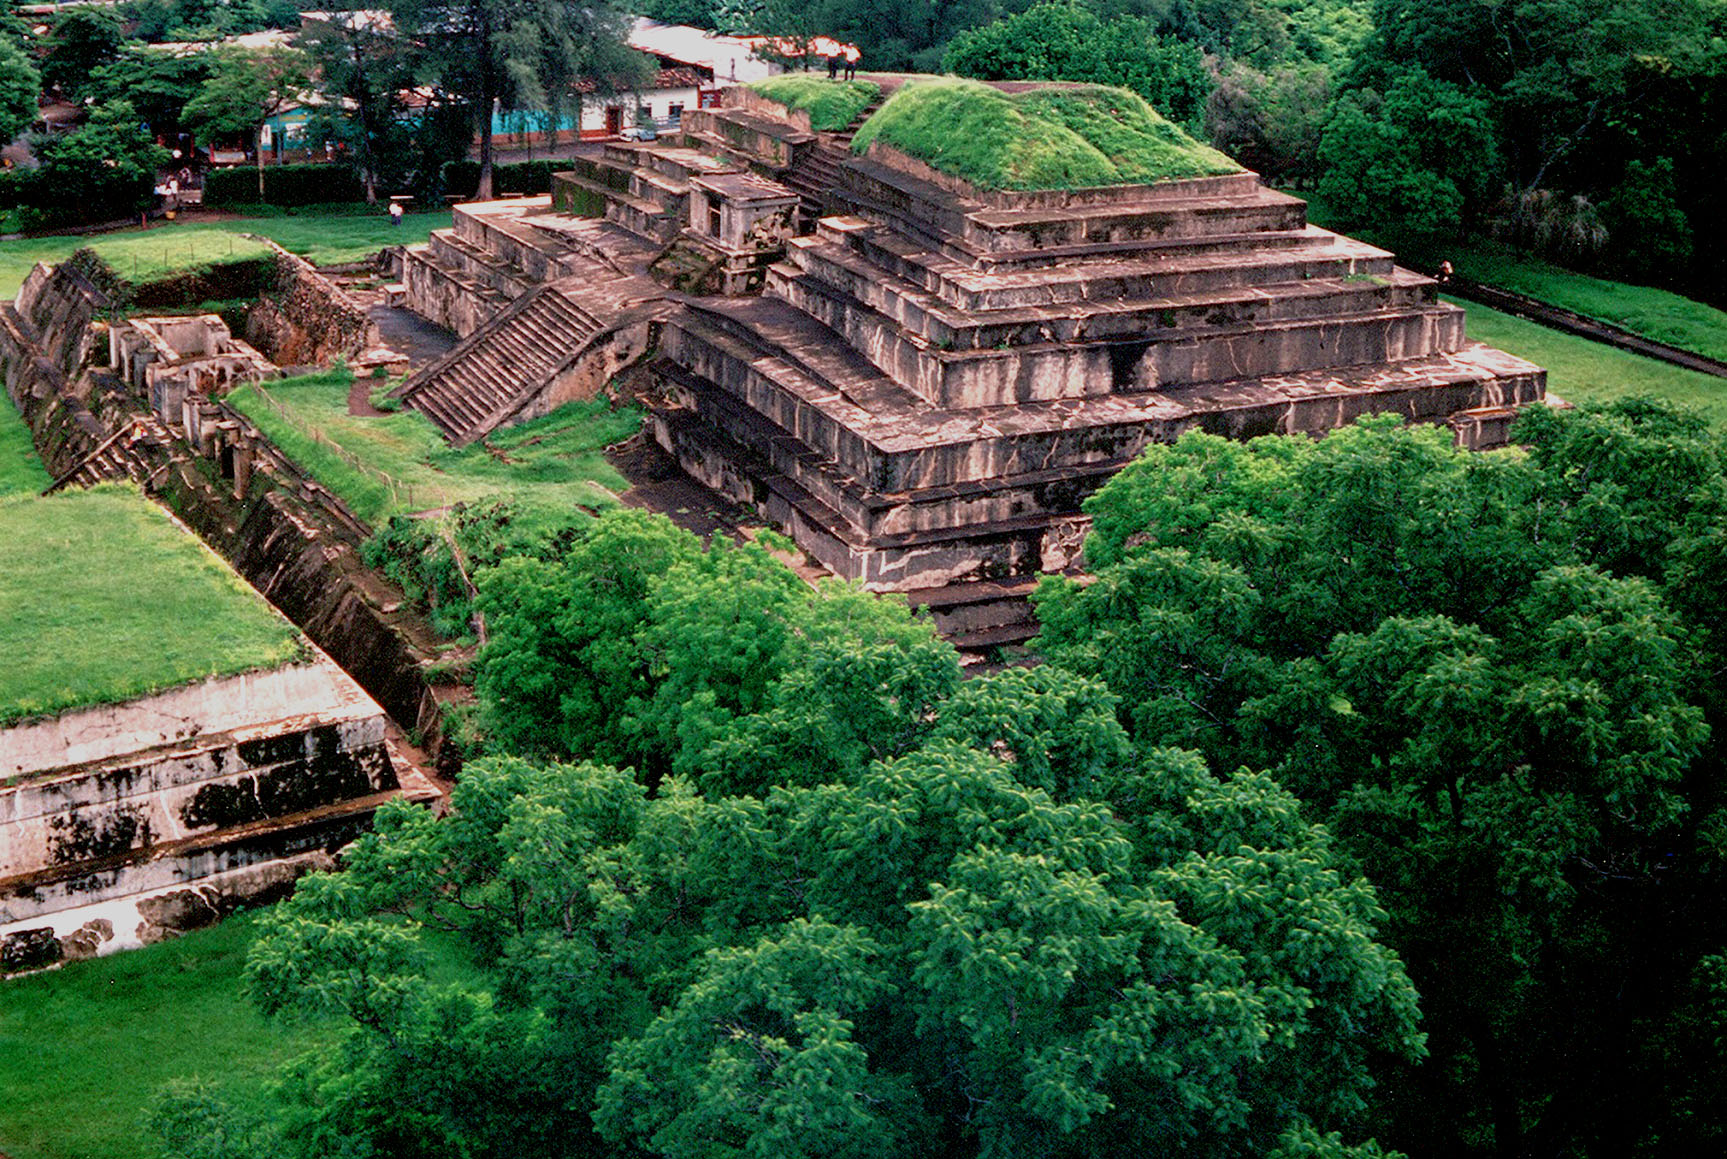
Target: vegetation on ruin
(1496, 680)
(1584, 371)
(104, 598)
(1056, 138)
(322, 234)
(1058, 40)
(845, 903)
(86, 1048)
(831, 104)
(399, 463)
(21, 472)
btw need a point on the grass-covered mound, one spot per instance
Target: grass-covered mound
(103, 598)
(1054, 138)
(831, 104)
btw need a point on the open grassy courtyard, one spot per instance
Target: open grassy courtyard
(322, 234)
(395, 464)
(103, 598)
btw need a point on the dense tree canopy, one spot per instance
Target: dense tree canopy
(850, 907)
(1494, 677)
(1063, 40)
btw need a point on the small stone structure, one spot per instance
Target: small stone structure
(172, 360)
(123, 823)
(936, 376)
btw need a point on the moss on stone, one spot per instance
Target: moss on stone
(1070, 137)
(831, 104)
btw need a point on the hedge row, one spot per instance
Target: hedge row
(283, 185)
(462, 178)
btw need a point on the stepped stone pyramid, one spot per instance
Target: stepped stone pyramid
(933, 379)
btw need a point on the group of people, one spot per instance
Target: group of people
(848, 59)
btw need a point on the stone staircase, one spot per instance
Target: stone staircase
(486, 377)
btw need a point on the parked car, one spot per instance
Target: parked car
(639, 133)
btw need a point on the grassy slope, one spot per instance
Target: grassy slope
(84, 1049)
(831, 104)
(1579, 370)
(1654, 313)
(21, 472)
(1066, 138)
(103, 598)
(554, 461)
(323, 234)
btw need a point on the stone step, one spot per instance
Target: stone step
(805, 379)
(1135, 358)
(1135, 269)
(1160, 304)
(941, 217)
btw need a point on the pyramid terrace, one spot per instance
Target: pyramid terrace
(918, 364)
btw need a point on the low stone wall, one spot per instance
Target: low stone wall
(307, 320)
(103, 803)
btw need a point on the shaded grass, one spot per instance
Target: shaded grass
(1580, 371)
(103, 598)
(398, 463)
(831, 104)
(1653, 313)
(1054, 138)
(138, 255)
(21, 472)
(84, 1049)
(322, 234)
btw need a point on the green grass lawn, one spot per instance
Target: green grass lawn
(1065, 138)
(103, 598)
(21, 472)
(1580, 371)
(84, 1049)
(398, 463)
(831, 104)
(322, 234)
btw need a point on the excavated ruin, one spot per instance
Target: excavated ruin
(933, 376)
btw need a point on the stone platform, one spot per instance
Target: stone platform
(121, 824)
(934, 376)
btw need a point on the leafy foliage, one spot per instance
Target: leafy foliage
(922, 955)
(1486, 673)
(1061, 40)
(19, 84)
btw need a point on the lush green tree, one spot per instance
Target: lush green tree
(931, 957)
(246, 88)
(515, 54)
(1271, 122)
(1421, 154)
(1485, 674)
(83, 39)
(103, 169)
(1065, 40)
(360, 68)
(19, 87)
(1648, 227)
(157, 83)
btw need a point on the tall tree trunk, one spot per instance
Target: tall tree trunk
(260, 144)
(488, 101)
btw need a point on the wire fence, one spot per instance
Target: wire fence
(403, 496)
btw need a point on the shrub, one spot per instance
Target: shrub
(462, 178)
(283, 185)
